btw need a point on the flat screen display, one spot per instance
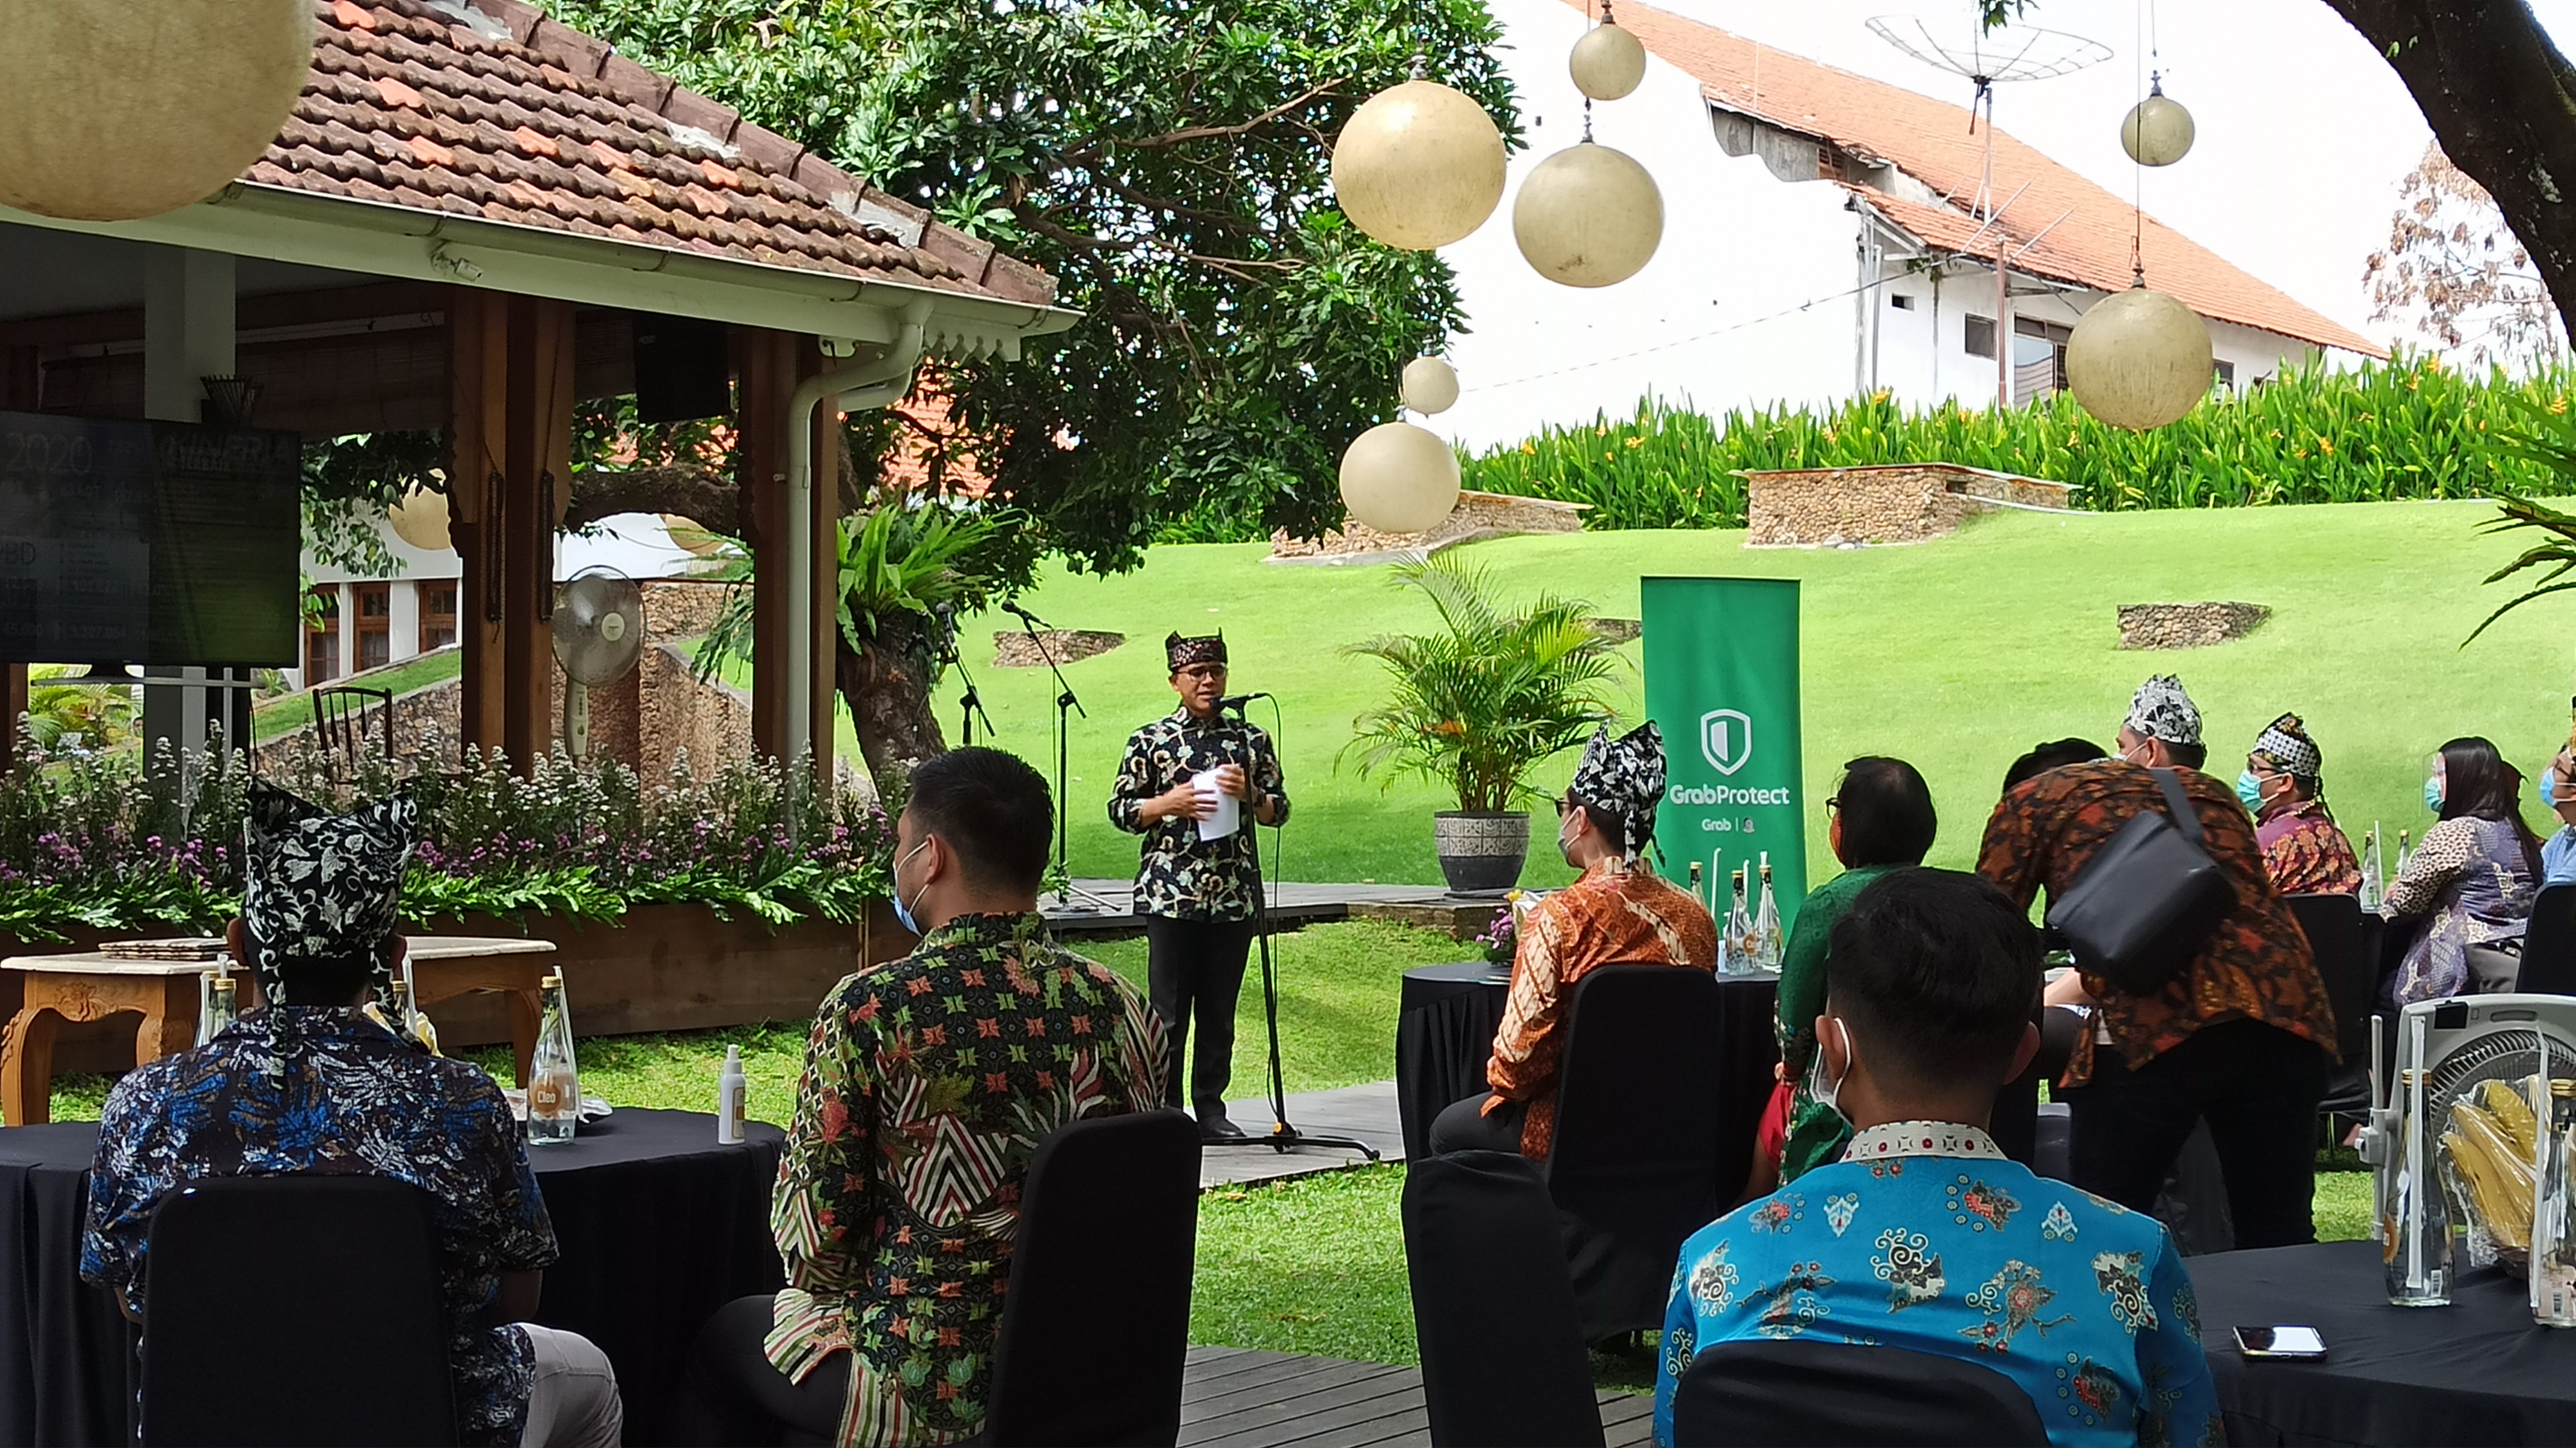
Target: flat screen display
(158, 543)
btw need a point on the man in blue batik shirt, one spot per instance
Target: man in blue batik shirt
(1924, 1235)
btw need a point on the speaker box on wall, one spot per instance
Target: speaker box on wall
(681, 371)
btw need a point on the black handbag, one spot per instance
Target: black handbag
(2143, 906)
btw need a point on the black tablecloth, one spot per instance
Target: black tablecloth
(658, 1225)
(2475, 1372)
(1444, 1035)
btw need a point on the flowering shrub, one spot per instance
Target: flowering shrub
(88, 840)
(1502, 938)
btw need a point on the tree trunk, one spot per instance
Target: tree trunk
(2502, 101)
(710, 499)
(888, 691)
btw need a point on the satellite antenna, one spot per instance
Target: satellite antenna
(599, 634)
(1965, 46)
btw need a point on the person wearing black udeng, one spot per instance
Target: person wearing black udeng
(1199, 897)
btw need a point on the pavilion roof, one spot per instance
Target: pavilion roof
(488, 109)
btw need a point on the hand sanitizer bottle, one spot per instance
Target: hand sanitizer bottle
(729, 1089)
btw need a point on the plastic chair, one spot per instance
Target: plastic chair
(351, 1341)
(1635, 1164)
(1482, 1247)
(1096, 1325)
(2549, 950)
(1798, 1394)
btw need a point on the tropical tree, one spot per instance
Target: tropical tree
(2453, 270)
(1479, 704)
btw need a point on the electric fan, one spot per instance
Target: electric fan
(599, 634)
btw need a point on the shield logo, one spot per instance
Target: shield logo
(1726, 739)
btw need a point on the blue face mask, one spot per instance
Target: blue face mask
(2548, 791)
(2433, 795)
(2250, 790)
(902, 911)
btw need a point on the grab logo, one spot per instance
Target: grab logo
(1726, 739)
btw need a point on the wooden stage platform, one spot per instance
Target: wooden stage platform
(1107, 906)
(1365, 1112)
(1269, 1400)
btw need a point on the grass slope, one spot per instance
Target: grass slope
(1956, 654)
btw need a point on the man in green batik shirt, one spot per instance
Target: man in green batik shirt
(929, 1082)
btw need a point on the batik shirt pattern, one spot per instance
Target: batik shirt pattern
(1178, 875)
(308, 1089)
(929, 1081)
(2306, 853)
(1616, 914)
(2256, 965)
(1926, 1237)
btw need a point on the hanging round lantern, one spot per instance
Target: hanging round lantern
(111, 110)
(1588, 216)
(1607, 63)
(1430, 385)
(1399, 478)
(1418, 166)
(2157, 131)
(2139, 359)
(419, 518)
(691, 537)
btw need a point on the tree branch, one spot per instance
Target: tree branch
(711, 499)
(1187, 134)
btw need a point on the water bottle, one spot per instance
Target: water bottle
(2374, 876)
(222, 1006)
(1698, 892)
(2553, 1236)
(729, 1091)
(1766, 923)
(1736, 955)
(554, 1081)
(2418, 1240)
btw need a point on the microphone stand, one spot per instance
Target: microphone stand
(1066, 706)
(1282, 1138)
(970, 703)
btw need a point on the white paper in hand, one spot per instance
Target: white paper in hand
(1227, 817)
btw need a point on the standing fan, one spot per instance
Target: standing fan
(599, 634)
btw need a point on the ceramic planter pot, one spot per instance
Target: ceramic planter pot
(1480, 854)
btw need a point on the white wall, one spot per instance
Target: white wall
(1739, 247)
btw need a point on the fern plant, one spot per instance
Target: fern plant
(893, 560)
(1483, 701)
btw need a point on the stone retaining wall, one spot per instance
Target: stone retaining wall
(1899, 503)
(1478, 515)
(1019, 651)
(2187, 625)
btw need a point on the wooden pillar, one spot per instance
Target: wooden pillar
(536, 468)
(827, 565)
(769, 377)
(477, 335)
(21, 390)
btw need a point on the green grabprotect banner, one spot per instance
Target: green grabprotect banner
(1722, 684)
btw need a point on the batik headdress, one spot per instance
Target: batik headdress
(2285, 742)
(319, 886)
(1625, 776)
(2161, 710)
(1185, 653)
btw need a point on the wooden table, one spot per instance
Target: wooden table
(91, 986)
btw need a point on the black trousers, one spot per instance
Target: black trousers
(2258, 1087)
(1464, 1126)
(730, 1395)
(1194, 973)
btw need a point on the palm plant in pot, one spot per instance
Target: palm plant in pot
(1478, 704)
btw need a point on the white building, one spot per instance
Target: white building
(1818, 242)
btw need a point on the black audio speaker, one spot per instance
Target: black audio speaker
(680, 369)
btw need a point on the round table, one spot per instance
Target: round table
(2477, 1371)
(658, 1226)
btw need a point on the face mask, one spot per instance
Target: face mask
(2433, 795)
(1816, 1087)
(2548, 791)
(902, 911)
(2250, 790)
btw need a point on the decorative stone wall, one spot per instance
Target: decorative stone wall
(2187, 625)
(1477, 516)
(1900, 503)
(1019, 651)
(1619, 630)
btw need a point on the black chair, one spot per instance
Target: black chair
(1634, 1166)
(2338, 938)
(1493, 1308)
(1797, 1394)
(351, 1341)
(2549, 951)
(1097, 1322)
(344, 716)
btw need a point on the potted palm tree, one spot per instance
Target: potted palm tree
(1480, 703)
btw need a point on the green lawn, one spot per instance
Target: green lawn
(272, 717)
(1957, 654)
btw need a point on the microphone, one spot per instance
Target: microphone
(1235, 702)
(1024, 616)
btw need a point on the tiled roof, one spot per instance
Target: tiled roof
(1934, 142)
(492, 110)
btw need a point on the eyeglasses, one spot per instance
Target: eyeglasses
(1564, 807)
(1202, 671)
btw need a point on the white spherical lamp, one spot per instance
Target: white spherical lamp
(1607, 62)
(1430, 385)
(1588, 216)
(112, 110)
(2139, 359)
(1418, 166)
(2157, 131)
(1399, 478)
(419, 518)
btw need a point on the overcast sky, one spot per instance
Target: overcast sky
(2304, 132)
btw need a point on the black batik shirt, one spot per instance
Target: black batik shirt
(1180, 876)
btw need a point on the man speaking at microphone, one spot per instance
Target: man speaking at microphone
(1193, 783)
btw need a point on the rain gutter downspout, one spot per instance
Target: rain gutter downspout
(857, 389)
